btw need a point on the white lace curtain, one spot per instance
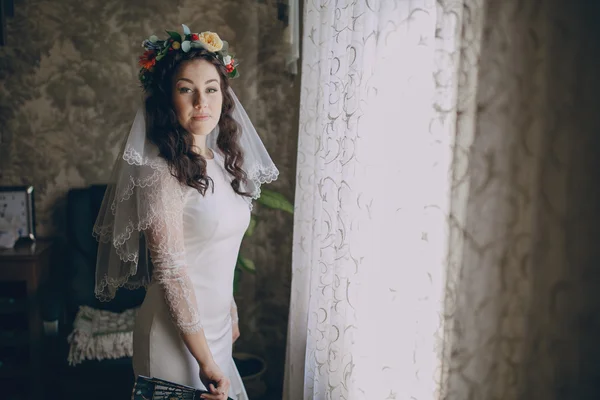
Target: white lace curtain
(372, 199)
(432, 257)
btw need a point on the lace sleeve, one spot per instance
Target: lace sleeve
(165, 244)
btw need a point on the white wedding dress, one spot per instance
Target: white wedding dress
(193, 245)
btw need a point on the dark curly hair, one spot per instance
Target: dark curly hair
(174, 142)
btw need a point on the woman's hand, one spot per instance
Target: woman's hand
(215, 381)
(235, 332)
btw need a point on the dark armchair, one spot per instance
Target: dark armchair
(71, 286)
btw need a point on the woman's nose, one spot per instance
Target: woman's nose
(199, 101)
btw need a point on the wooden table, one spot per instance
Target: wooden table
(29, 263)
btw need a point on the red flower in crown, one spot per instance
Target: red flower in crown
(195, 37)
(148, 59)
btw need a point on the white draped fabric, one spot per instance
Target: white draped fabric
(379, 79)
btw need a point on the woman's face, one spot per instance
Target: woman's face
(197, 97)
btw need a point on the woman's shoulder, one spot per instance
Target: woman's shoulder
(164, 176)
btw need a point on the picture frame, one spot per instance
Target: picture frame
(18, 202)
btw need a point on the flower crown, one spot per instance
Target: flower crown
(157, 49)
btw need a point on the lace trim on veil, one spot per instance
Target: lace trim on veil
(105, 233)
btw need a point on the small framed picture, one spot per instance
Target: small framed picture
(17, 209)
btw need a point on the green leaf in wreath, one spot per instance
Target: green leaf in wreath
(162, 53)
(174, 35)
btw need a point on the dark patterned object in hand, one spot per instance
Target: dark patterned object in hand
(151, 388)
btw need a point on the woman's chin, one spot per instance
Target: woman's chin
(201, 129)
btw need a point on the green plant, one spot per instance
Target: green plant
(269, 199)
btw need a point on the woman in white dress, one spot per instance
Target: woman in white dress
(174, 216)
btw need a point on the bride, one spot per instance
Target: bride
(177, 209)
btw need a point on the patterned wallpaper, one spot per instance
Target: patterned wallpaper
(68, 94)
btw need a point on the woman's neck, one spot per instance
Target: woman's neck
(201, 148)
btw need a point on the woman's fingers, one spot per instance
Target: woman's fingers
(208, 396)
(216, 393)
(223, 385)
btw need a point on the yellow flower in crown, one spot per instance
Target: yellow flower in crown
(210, 41)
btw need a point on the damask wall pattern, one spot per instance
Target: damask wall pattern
(68, 94)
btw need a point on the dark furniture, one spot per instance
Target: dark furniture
(72, 287)
(22, 270)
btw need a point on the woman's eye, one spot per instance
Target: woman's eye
(185, 90)
(212, 90)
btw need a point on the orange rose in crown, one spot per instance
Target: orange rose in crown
(210, 41)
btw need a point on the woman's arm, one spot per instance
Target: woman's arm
(164, 237)
(197, 345)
